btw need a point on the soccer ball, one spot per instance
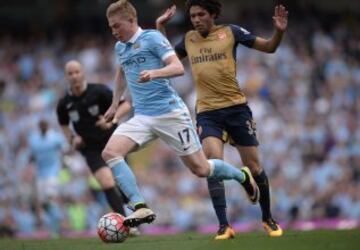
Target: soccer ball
(111, 228)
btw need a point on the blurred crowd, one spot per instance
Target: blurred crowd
(305, 99)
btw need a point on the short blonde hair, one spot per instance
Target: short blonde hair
(123, 8)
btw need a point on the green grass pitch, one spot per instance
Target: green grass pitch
(292, 240)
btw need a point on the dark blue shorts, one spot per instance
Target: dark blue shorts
(234, 124)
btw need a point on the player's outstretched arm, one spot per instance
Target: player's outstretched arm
(161, 22)
(120, 86)
(280, 20)
(173, 68)
(164, 18)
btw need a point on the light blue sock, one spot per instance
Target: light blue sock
(225, 171)
(126, 180)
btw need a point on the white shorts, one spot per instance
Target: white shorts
(174, 128)
(48, 188)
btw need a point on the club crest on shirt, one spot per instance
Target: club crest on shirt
(94, 110)
(136, 46)
(74, 116)
(222, 35)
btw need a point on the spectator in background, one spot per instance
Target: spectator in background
(2, 89)
(46, 148)
(2, 86)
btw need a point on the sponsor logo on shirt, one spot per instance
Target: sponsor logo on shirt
(222, 35)
(134, 61)
(207, 55)
(136, 46)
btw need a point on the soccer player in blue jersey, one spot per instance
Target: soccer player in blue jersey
(46, 148)
(146, 61)
(222, 109)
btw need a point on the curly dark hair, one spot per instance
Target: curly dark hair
(212, 6)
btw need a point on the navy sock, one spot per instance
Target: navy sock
(115, 200)
(263, 184)
(217, 194)
(123, 196)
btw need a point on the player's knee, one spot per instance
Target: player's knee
(107, 154)
(107, 183)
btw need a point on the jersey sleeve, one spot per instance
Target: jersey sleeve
(242, 36)
(161, 46)
(62, 115)
(180, 48)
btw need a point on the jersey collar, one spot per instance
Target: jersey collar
(72, 94)
(136, 35)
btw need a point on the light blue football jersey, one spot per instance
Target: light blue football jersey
(46, 151)
(147, 50)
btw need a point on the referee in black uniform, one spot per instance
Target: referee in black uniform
(83, 106)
